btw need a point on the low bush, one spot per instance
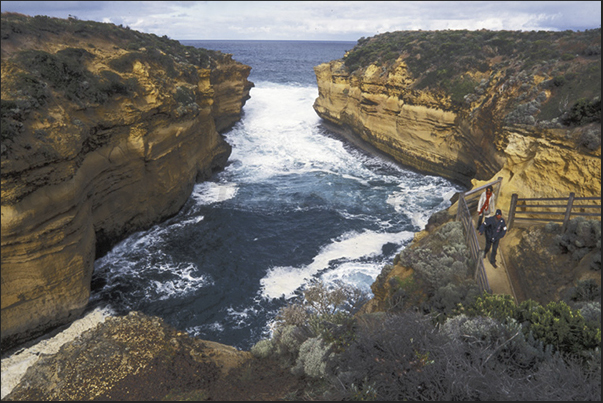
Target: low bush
(407, 357)
(584, 111)
(591, 138)
(443, 273)
(113, 84)
(324, 313)
(580, 238)
(494, 350)
(555, 324)
(313, 359)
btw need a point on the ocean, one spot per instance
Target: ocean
(295, 203)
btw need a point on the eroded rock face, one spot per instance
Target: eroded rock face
(526, 114)
(485, 137)
(113, 146)
(421, 134)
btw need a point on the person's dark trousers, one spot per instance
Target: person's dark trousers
(494, 249)
(479, 220)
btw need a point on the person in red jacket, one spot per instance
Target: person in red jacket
(486, 205)
(495, 229)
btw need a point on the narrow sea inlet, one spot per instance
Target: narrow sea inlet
(294, 203)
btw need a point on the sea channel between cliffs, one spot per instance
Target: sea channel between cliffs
(294, 203)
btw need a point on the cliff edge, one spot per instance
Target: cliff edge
(472, 106)
(105, 130)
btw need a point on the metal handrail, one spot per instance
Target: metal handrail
(568, 206)
(496, 183)
(464, 216)
(472, 196)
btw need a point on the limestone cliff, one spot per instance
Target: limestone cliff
(105, 130)
(475, 106)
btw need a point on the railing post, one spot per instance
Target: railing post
(512, 207)
(568, 211)
(460, 204)
(498, 186)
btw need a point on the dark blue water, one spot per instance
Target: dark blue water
(283, 62)
(293, 204)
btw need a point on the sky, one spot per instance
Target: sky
(318, 20)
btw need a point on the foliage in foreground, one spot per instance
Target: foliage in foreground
(428, 347)
(493, 351)
(407, 357)
(440, 339)
(555, 324)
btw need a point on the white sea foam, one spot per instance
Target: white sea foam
(181, 283)
(190, 221)
(357, 274)
(210, 192)
(283, 281)
(15, 366)
(198, 331)
(243, 316)
(280, 137)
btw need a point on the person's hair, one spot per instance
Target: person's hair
(489, 187)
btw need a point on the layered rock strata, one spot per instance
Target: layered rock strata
(492, 131)
(421, 134)
(526, 107)
(112, 146)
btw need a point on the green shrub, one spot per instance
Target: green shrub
(580, 238)
(556, 324)
(591, 139)
(584, 111)
(313, 358)
(496, 306)
(263, 348)
(460, 87)
(65, 71)
(443, 260)
(560, 326)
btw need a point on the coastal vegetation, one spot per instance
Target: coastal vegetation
(438, 343)
(449, 61)
(38, 75)
(74, 91)
(437, 338)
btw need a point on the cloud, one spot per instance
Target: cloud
(316, 20)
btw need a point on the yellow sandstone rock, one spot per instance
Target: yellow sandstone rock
(78, 178)
(470, 145)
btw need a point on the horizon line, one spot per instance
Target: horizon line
(271, 40)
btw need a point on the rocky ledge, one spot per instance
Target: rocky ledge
(105, 131)
(134, 357)
(473, 106)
